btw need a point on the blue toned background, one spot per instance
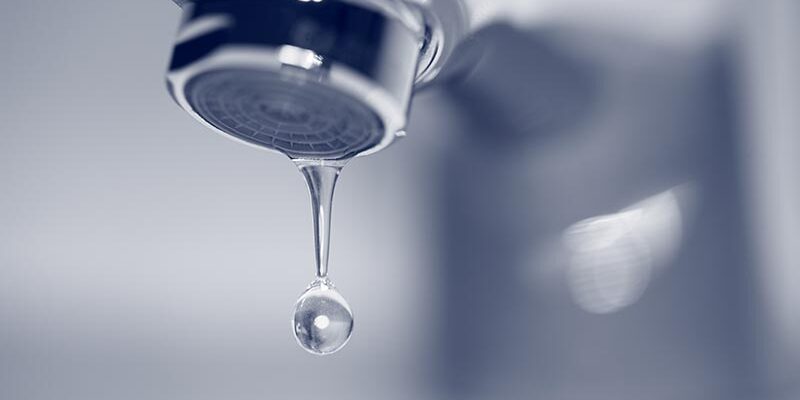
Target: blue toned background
(604, 207)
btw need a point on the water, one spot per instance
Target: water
(322, 321)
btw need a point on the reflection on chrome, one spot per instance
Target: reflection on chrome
(611, 258)
(301, 58)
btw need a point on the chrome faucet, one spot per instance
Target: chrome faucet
(312, 79)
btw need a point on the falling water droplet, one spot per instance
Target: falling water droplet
(322, 321)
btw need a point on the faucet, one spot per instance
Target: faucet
(312, 79)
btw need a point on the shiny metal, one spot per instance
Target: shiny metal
(314, 79)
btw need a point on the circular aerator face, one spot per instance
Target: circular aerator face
(300, 118)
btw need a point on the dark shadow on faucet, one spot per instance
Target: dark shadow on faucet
(523, 87)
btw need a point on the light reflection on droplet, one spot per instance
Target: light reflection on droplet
(322, 321)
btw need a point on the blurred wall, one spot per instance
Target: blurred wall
(569, 219)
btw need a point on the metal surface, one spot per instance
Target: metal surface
(319, 80)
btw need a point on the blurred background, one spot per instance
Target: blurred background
(605, 206)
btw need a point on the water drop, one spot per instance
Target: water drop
(322, 320)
